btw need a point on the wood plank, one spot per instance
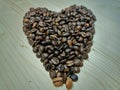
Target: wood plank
(21, 70)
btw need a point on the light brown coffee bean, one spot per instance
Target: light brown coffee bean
(69, 84)
(69, 63)
(58, 81)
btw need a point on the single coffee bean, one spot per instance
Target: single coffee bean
(76, 69)
(64, 77)
(67, 50)
(71, 57)
(69, 84)
(85, 56)
(70, 63)
(44, 56)
(69, 42)
(77, 62)
(59, 74)
(55, 60)
(50, 56)
(74, 77)
(48, 67)
(52, 74)
(58, 81)
(56, 53)
(63, 61)
(60, 67)
(38, 55)
(41, 49)
(66, 34)
(35, 49)
(66, 69)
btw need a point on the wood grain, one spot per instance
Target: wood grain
(21, 70)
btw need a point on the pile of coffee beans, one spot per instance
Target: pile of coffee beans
(61, 40)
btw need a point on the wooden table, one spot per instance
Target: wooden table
(21, 70)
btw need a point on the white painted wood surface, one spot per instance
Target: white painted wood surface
(21, 70)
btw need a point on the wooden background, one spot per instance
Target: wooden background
(21, 70)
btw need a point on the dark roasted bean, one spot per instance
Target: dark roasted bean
(74, 77)
(76, 69)
(64, 77)
(55, 60)
(67, 50)
(52, 74)
(60, 67)
(63, 61)
(44, 56)
(70, 63)
(77, 62)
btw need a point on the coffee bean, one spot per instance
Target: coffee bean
(69, 42)
(77, 62)
(64, 77)
(66, 69)
(66, 34)
(70, 63)
(55, 60)
(69, 84)
(41, 49)
(58, 81)
(52, 74)
(56, 53)
(50, 56)
(63, 61)
(76, 69)
(35, 49)
(38, 55)
(67, 50)
(74, 77)
(44, 56)
(59, 74)
(71, 57)
(48, 67)
(85, 56)
(60, 67)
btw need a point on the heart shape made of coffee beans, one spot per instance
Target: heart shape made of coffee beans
(62, 40)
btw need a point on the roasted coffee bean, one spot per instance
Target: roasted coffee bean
(74, 77)
(60, 67)
(71, 56)
(52, 74)
(68, 50)
(77, 62)
(38, 55)
(69, 84)
(76, 69)
(35, 49)
(58, 81)
(64, 77)
(70, 63)
(66, 34)
(55, 60)
(44, 56)
(63, 61)
(85, 56)
(69, 42)
(59, 74)
(48, 67)
(56, 53)
(66, 69)
(50, 56)
(41, 49)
